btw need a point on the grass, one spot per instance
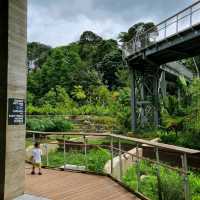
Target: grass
(94, 161)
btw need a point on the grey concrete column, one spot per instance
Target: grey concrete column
(13, 14)
(133, 100)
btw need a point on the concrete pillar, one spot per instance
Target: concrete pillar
(13, 14)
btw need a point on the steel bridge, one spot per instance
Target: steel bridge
(148, 55)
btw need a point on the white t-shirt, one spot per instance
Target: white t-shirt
(36, 153)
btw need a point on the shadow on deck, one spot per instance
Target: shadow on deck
(59, 185)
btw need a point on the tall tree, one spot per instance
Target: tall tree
(37, 54)
(135, 30)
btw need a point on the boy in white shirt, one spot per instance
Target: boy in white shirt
(36, 158)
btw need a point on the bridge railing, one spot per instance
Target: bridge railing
(174, 25)
(130, 167)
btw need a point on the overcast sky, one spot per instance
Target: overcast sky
(59, 22)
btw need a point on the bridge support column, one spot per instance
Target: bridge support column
(133, 100)
(12, 97)
(156, 99)
(144, 98)
(142, 105)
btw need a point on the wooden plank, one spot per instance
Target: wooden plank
(59, 185)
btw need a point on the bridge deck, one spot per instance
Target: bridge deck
(58, 185)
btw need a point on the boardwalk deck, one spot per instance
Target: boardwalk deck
(58, 185)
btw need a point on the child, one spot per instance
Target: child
(36, 158)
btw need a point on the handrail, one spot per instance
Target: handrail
(169, 18)
(136, 140)
(183, 153)
(163, 30)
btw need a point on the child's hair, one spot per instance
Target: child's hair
(37, 144)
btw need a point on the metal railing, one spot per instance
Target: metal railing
(174, 25)
(117, 153)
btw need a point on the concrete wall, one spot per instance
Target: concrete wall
(13, 83)
(127, 162)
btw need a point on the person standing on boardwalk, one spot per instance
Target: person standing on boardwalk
(36, 158)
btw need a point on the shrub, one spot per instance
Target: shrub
(195, 186)
(47, 124)
(95, 160)
(171, 185)
(171, 182)
(185, 139)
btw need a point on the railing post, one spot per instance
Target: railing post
(64, 153)
(158, 174)
(191, 13)
(138, 167)
(85, 150)
(165, 30)
(33, 139)
(47, 153)
(120, 160)
(185, 177)
(177, 20)
(112, 155)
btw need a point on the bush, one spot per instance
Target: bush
(49, 125)
(171, 182)
(95, 160)
(195, 186)
(185, 139)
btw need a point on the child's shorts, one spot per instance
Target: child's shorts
(37, 165)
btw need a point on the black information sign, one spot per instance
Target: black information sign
(16, 111)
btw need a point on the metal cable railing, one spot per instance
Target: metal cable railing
(125, 159)
(174, 25)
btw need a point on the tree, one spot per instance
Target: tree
(55, 71)
(89, 37)
(109, 66)
(88, 45)
(136, 30)
(37, 54)
(193, 64)
(102, 95)
(57, 97)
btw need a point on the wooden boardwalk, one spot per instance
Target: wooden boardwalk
(59, 185)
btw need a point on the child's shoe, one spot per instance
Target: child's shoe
(39, 173)
(32, 173)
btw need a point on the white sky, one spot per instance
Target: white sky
(60, 22)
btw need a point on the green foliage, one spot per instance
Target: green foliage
(37, 54)
(192, 120)
(138, 28)
(95, 159)
(195, 186)
(88, 77)
(78, 93)
(101, 95)
(49, 124)
(171, 182)
(57, 97)
(89, 37)
(185, 139)
(183, 118)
